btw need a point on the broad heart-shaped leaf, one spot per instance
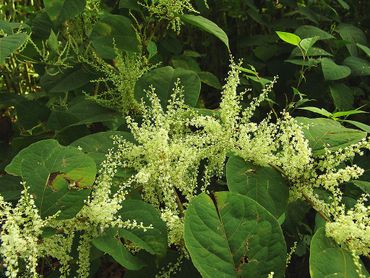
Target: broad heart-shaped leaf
(70, 9)
(332, 71)
(206, 25)
(163, 80)
(343, 96)
(358, 66)
(10, 44)
(307, 31)
(80, 112)
(68, 80)
(62, 10)
(265, 185)
(117, 29)
(57, 176)
(233, 237)
(289, 38)
(352, 35)
(97, 145)
(320, 132)
(327, 259)
(110, 243)
(152, 240)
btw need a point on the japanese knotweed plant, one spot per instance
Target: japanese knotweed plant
(176, 152)
(172, 144)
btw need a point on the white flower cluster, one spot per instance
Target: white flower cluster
(120, 79)
(21, 228)
(172, 144)
(352, 227)
(170, 10)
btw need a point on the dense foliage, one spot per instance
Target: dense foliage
(179, 138)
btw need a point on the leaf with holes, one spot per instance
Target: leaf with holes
(59, 177)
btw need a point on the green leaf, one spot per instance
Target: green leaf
(311, 52)
(129, 4)
(360, 125)
(210, 79)
(265, 185)
(8, 27)
(115, 28)
(10, 187)
(206, 25)
(53, 8)
(70, 9)
(233, 237)
(57, 176)
(97, 145)
(343, 4)
(364, 49)
(327, 259)
(10, 44)
(68, 80)
(358, 66)
(307, 31)
(61, 10)
(348, 113)
(289, 37)
(317, 110)
(152, 240)
(307, 43)
(152, 49)
(81, 112)
(52, 42)
(332, 71)
(308, 63)
(363, 185)
(352, 35)
(163, 80)
(320, 132)
(111, 244)
(342, 95)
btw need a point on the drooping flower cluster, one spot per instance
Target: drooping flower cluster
(120, 80)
